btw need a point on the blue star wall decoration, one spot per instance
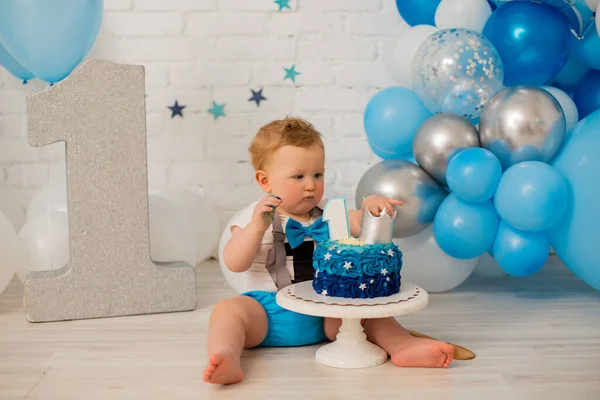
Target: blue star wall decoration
(257, 97)
(291, 73)
(217, 110)
(176, 109)
(283, 4)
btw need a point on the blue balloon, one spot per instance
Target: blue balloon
(520, 253)
(577, 12)
(587, 93)
(531, 196)
(571, 73)
(418, 12)
(473, 174)
(391, 120)
(588, 49)
(50, 38)
(13, 66)
(576, 236)
(534, 41)
(430, 197)
(465, 230)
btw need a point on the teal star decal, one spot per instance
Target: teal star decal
(283, 4)
(291, 73)
(217, 110)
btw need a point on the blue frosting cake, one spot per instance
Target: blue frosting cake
(352, 269)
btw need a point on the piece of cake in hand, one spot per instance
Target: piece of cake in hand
(367, 267)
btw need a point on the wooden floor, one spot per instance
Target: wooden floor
(535, 338)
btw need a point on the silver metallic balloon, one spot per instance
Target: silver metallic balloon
(439, 139)
(522, 123)
(405, 181)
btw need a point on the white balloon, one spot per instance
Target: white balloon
(487, 267)
(8, 240)
(13, 211)
(172, 236)
(44, 243)
(567, 104)
(469, 14)
(203, 217)
(404, 52)
(425, 264)
(592, 4)
(48, 198)
(45, 238)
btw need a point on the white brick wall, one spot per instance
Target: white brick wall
(197, 51)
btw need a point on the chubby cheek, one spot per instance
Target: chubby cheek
(320, 188)
(292, 192)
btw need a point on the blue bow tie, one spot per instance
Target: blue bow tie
(296, 232)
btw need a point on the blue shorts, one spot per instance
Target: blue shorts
(287, 328)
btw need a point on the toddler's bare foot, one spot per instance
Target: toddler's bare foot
(223, 369)
(417, 352)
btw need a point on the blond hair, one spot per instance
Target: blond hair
(290, 131)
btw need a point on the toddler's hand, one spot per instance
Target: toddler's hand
(263, 214)
(376, 204)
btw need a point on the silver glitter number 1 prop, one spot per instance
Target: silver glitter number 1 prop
(99, 112)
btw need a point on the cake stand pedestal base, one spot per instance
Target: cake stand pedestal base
(351, 349)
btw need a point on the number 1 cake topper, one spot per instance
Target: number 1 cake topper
(335, 214)
(373, 229)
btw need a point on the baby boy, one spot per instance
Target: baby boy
(289, 161)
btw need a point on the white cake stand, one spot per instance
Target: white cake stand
(351, 348)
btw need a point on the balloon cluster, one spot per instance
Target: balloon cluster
(47, 39)
(479, 142)
(510, 213)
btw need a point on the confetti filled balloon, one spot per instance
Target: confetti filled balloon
(457, 71)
